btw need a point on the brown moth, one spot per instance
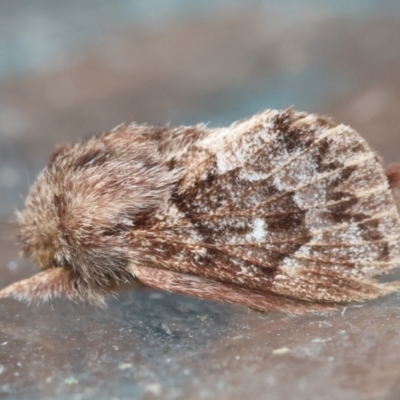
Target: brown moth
(283, 211)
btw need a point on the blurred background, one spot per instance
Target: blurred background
(72, 69)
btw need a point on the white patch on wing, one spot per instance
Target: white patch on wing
(259, 232)
(252, 176)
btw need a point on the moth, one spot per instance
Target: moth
(283, 211)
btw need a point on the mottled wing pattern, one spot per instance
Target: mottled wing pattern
(286, 206)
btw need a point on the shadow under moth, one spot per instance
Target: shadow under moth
(283, 211)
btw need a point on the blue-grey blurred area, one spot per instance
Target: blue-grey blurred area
(71, 69)
(35, 33)
(44, 34)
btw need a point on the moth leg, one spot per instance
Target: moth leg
(212, 290)
(54, 282)
(40, 287)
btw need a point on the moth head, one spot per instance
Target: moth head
(79, 213)
(38, 229)
(42, 239)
